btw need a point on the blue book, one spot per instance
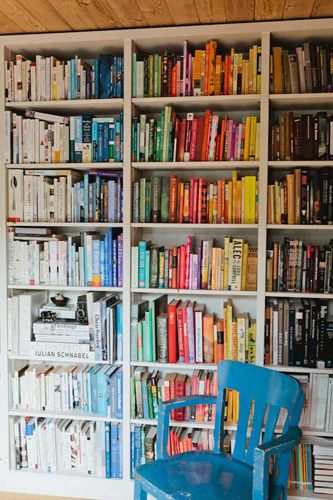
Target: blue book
(114, 451)
(119, 79)
(96, 263)
(147, 269)
(99, 141)
(132, 453)
(103, 276)
(104, 76)
(89, 388)
(118, 141)
(110, 256)
(73, 80)
(82, 266)
(142, 263)
(120, 455)
(107, 451)
(137, 446)
(96, 78)
(111, 200)
(94, 139)
(114, 263)
(119, 310)
(106, 270)
(78, 139)
(119, 393)
(93, 389)
(105, 142)
(121, 126)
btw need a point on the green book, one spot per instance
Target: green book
(159, 76)
(150, 401)
(151, 75)
(142, 204)
(157, 149)
(156, 199)
(148, 202)
(147, 268)
(134, 74)
(165, 188)
(154, 267)
(156, 76)
(151, 139)
(162, 136)
(146, 338)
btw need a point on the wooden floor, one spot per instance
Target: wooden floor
(19, 496)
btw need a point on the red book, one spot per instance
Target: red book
(189, 122)
(182, 267)
(195, 201)
(180, 330)
(205, 139)
(172, 331)
(179, 393)
(174, 81)
(191, 199)
(199, 201)
(173, 199)
(209, 134)
(187, 267)
(200, 134)
(226, 75)
(178, 266)
(181, 202)
(193, 139)
(204, 208)
(222, 139)
(217, 146)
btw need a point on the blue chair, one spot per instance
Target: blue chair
(250, 472)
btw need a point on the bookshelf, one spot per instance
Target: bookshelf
(126, 42)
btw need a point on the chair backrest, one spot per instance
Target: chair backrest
(262, 392)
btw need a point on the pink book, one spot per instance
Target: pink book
(187, 269)
(191, 199)
(190, 332)
(184, 67)
(195, 270)
(170, 269)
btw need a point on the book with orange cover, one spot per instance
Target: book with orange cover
(208, 338)
(278, 73)
(205, 139)
(291, 198)
(173, 199)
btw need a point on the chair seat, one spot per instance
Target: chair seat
(198, 475)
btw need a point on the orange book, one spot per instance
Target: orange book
(199, 200)
(232, 56)
(208, 338)
(219, 200)
(207, 66)
(298, 174)
(181, 202)
(239, 202)
(291, 198)
(227, 63)
(222, 201)
(234, 347)
(186, 204)
(278, 72)
(197, 73)
(212, 54)
(205, 134)
(218, 73)
(173, 198)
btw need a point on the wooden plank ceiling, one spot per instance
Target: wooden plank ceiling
(38, 16)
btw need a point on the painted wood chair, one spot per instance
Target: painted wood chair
(199, 475)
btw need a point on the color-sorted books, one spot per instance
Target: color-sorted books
(204, 137)
(75, 446)
(184, 332)
(95, 334)
(96, 389)
(307, 68)
(304, 137)
(294, 266)
(301, 197)
(48, 79)
(210, 267)
(89, 259)
(65, 196)
(45, 138)
(197, 72)
(196, 201)
(296, 333)
(323, 467)
(300, 468)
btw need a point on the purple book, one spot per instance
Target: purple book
(199, 268)
(120, 260)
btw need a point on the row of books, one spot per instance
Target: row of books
(46, 387)
(205, 137)
(65, 196)
(301, 197)
(182, 331)
(180, 440)
(89, 328)
(233, 267)
(301, 468)
(48, 78)
(198, 72)
(303, 137)
(150, 389)
(89, 259)
(318, 406)
(306, 68)
(294, 266)
(298, 333)
(196, 201)
(40, 137)
(60, 446)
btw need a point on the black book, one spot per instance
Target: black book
(322, 325)
(291, 334)
(306, 330)
(299, 334)
(307, 137)
(329, 343)
(313, 337)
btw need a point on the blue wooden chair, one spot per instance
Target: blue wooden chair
(199, 475)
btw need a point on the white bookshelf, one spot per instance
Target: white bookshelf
(125, 41)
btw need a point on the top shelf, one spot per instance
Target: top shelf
(72, 106)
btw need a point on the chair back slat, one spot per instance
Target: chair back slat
(266, 388)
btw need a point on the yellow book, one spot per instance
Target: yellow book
(234, 197)
(254, 68)
(218, 268)
(246, 78)
(230, 399)
(225, 317)
(247, 138)
(214, 268)
(197, 73)
(226, 263)
(232, 54)
(253, 134)
(210, 203)
(234, 341)
(212, 53)
(222, 270)
(242, 200)
(252, 342)
(250, 71)
(252, 199)
(244, 264)
(230, 321)
(259, 74)
(218, 72)
(246, 200)
(257, 158)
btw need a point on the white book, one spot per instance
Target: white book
(15, 195)
(139, 78)
(8, 132)
(198, 318)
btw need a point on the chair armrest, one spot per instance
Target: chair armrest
(164, 418)
(283, 444)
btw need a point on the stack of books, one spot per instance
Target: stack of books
(198, 72)
(75, 446)
(65, 196)
(300, 469)
(96, 333)
(294, 266)
(45, 138)
(48, 79)
(296, 333)
(323, 467)
(233, 267)
(304, 137)
(196, 201)
(44, 387)
(205, 137)
(301, 197)
(89, 259)
(182, 331)
(150, 389)
(307, 68)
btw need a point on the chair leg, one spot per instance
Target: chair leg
(139, 493)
